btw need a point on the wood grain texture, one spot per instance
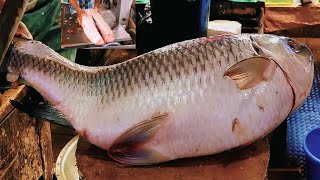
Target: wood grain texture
(46, 149)
(20, 152)
(246, 163)
(11, 94)
(25, 144)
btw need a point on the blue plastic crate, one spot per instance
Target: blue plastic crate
(301, 122)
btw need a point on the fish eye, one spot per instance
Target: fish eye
(294, 46)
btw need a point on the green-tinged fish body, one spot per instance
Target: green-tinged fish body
(192, 98)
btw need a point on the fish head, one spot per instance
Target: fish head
(294, 58)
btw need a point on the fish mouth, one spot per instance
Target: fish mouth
(311, 56)
(298, 48)
(305, 50)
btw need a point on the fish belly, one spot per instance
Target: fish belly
(224, 117)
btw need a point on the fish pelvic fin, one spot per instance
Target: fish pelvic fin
(250, 72)
(44, 112)
(130, 147)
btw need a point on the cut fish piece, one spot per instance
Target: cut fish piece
(104, 28)
(90, 30)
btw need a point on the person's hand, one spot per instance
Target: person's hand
(96, 5)
(80, 15)
(97, 10)
(23, 31)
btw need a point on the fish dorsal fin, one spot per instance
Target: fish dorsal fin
(250, 72)
(130, 148)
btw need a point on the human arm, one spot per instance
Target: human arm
(79, 11)
(96, 4)
(22, 30)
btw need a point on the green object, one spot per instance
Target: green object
(142, 1)
(42, 24)
(279, 2)
(65, 1)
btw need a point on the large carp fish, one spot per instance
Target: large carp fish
(193, 98)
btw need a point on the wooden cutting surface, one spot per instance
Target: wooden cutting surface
(241, 164)
(246, 163)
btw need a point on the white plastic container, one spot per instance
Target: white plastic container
(218, 27)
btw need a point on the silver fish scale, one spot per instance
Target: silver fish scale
(187, 67)
(177, 65)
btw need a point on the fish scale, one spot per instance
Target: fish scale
(193, 98)
(156, 71)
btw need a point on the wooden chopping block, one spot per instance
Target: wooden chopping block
(25, 144)
(246, 163)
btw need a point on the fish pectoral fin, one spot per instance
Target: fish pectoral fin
(130, 147)
(250, 72)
